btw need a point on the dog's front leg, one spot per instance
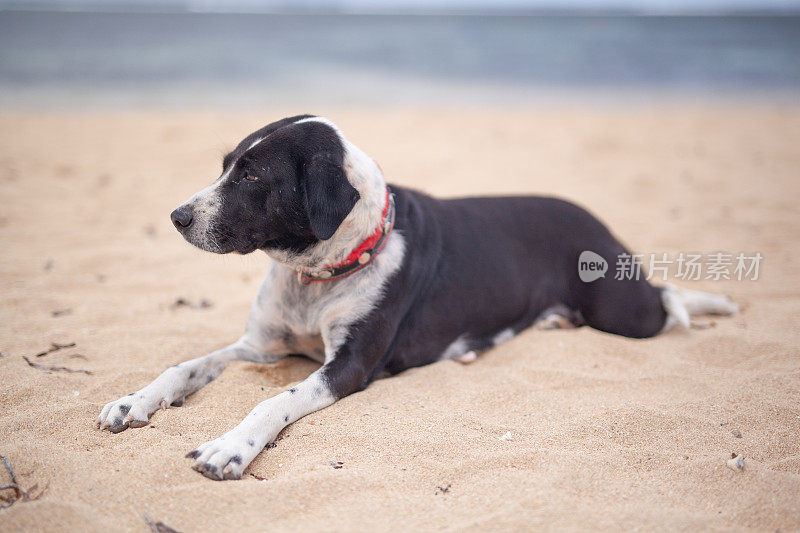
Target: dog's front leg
(173, 386)
(227, 456)
(344, 373)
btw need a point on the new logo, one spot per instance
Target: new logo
(591, 266)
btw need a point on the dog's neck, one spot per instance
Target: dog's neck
(367, 178)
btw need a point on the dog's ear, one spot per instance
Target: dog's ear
(329, 197)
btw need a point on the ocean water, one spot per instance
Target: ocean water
(79, 59)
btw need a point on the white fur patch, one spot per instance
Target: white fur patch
(456, 349)
(325, 309)
(504, 336)
(681, 304)
(254, 144)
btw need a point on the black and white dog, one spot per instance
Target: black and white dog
(371, 280)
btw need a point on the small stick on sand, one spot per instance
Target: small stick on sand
(10, 470)
(158, 527)
(442, 490)
(19, 494)
(183, 302)
(47, 368)
(54, 347)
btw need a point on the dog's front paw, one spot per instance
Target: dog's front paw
(225, 457)
(134, 410)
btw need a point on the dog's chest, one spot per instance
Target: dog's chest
(307, 309)
(325, 308)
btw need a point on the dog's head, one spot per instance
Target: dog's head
(286, 187)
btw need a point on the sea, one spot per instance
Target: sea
(185, 59)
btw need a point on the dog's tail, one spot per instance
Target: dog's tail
(682, 304)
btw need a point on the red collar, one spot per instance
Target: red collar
(362, 255)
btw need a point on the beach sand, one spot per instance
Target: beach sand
(553, 429)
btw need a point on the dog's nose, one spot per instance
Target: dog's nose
(182, 218)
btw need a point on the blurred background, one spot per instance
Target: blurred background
(191, 53)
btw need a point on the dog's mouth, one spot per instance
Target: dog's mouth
(205, 242)
(221, 242)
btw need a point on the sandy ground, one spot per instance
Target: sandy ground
(598, 431)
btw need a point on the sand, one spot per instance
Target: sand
(553, 429)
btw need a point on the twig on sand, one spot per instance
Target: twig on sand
(158, 527)
(54, 347)
(10, 470)
(183, 302)
(19, 494)
(47, 368)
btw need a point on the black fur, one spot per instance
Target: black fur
(329, 197)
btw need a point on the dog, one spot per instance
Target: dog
(371, 280)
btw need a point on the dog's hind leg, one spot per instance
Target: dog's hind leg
(682, 304)
(465, 349)
(558, 317)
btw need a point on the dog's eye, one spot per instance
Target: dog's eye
(250, 177)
